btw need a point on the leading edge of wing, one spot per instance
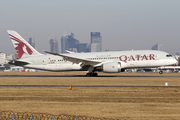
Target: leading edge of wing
(77, 60)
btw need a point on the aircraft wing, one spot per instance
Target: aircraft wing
(78, 60)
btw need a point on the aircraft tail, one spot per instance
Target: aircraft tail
(22, 47)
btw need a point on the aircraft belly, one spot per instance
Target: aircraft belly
(148, 63)
(55, 67)
(133, 64)
(155, 63)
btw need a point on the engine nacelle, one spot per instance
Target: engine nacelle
(111, 67)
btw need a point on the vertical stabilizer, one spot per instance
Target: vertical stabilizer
(22, 47)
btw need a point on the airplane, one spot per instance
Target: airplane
(108, 62)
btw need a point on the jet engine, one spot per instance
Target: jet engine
(112, 67)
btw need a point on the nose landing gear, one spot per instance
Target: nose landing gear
(160, 72)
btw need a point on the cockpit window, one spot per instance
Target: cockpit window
(168, 55)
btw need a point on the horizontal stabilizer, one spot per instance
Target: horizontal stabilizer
(18, 63)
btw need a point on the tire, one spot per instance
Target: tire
(95, 74)
(91, 74)
(161, 72)
(88, 74)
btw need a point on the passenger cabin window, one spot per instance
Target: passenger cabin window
(168, 55)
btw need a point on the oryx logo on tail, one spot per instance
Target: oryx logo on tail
(21, 47)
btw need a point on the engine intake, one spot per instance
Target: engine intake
(111, 67)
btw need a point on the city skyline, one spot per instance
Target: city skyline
(69, 42)
(59, 47)
(54, 47)
(32, 42)
(96, 42)
(124, 25)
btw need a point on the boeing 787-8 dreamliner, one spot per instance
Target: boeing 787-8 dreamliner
(109, 62)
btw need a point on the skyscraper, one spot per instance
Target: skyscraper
(96, 42)
(82, 47)
(53, 46)
(32, 42)
(68, 42)
(157, 47)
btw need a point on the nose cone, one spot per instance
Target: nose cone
(175, 61)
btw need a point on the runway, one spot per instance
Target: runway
(88, 77)
(89, 86)
(85, 98)
(50, 91)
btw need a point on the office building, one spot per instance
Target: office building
(2, 59)
(54, 46)
(157, 47)
(68, 42)
(15, 56)
(96, 42)
(95, 47)
(32, 42)
(82, 47)
(88, 47)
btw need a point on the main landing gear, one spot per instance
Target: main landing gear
(90, 74)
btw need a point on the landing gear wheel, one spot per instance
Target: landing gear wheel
(88, 75)
(91, 74)
(160, 72)
(95, 74)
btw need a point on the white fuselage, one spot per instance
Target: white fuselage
(128, 59)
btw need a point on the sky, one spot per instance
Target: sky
(123, 24)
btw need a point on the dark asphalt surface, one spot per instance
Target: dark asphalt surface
(87, 77)
(93, 86)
